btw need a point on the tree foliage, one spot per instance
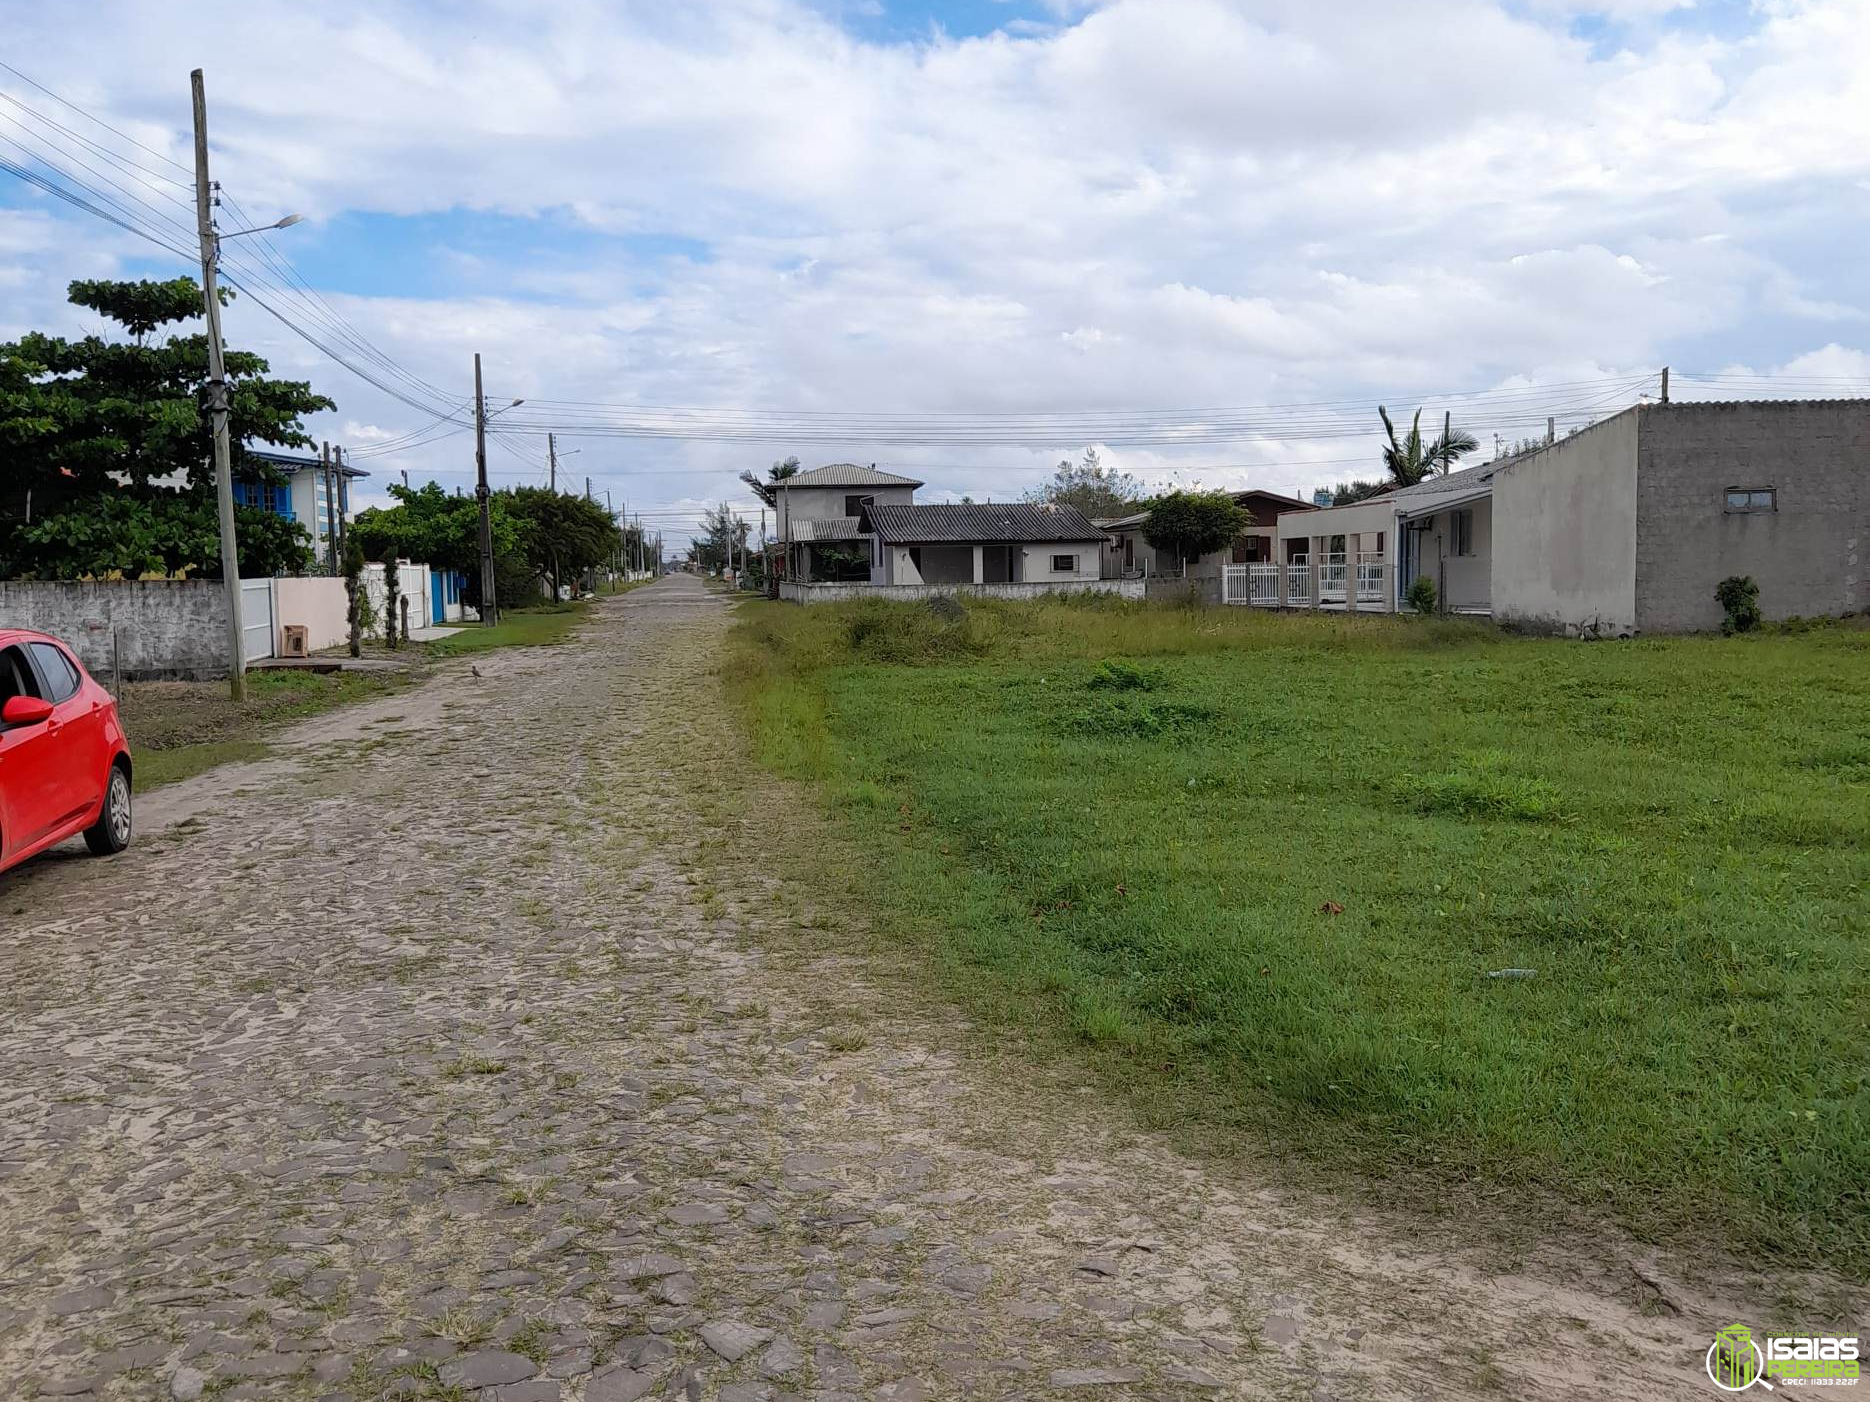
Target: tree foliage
(110, 440)
(561, 535)
(1193, 524)
(1096, 490)
(1350, 493)
(778, 472)
(1408, 460)
(723, 536)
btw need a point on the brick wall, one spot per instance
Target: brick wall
(1811, 556)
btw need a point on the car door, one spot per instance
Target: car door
(77, 723)
(29, 783)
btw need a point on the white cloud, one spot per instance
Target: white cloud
(1146, 202)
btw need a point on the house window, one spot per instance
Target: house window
(1740, 499)
(1461, 531)
(854, 505)
(1064, 564)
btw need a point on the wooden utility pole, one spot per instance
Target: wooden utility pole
(481, 493)
(1665, 384)
(217, 392)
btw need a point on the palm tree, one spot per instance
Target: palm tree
(778, 472)
(1410, 460)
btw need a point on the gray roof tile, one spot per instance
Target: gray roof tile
(981, 521)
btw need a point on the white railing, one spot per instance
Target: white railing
(1263, 585)
(1299, 580)
(1370, 575)
(1331, 572)
(1234, 584)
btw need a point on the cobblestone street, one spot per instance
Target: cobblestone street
(436, 1058)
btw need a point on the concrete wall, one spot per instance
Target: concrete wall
(946, 564)
(841, 593)
(824, 503)
(1564, 533)
(1361, 517)
(1035, 564)
(155, 629)
(1811, 556)
(412, 580)
(317, 603)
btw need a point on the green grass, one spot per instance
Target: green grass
(534, 627)
(180, 729)
(1131, 827)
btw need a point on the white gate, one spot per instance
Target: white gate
(257, 635)
(1234, 584)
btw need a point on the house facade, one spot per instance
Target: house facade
(1129, 556)
(849, 531)
(316, 494)
(1624, 527)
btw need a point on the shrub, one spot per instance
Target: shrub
(1739, 595)
(1117, 675)
(1420, 595)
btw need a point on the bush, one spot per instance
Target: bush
(1420, 595)
(1114, 674)
(1739, 595)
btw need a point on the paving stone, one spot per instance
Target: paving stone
(732, 1339)
(187, 1384)
(487, 1368)
(618, 1385)
(1095, 1377)
(93, 1297)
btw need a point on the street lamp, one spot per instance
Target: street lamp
(285, 223)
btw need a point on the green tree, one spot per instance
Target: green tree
(354, 594)
(1410, 459)
(723, 536)
(1096, 490)
(1350, 493)
(106, 443)
(392, 589)
(561, 534)
(778, 472)
(1193, 524)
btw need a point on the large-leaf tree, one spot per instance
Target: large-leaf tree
(1098, 490)
(1193, 524)
(106, 443)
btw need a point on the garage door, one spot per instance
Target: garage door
(256, 619)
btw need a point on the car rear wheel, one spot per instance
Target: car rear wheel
(110, 834)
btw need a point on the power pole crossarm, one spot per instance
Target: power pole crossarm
(217, 392)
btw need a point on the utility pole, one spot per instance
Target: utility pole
(217, 393)
(1665, 384)
(487, 605)
(405, 479)
(551, 452)
(1551, 430)
(1447, 428)
(587, 489)
(343, 496)
(331, 507)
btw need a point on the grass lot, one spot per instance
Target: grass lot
(548, 623)
(179, 729)
(1135, 828)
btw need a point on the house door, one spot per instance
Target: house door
(996, 564)
(257, 639)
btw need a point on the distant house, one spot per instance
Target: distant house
(1624, 527)
(849, 531)
(315, 494)
(1129, 555)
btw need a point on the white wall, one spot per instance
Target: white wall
(827, 503)
(318, 604)
(1036, 561)
(1564, 532)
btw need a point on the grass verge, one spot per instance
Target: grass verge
(1268, 866)
(180, 729)
(533, 627)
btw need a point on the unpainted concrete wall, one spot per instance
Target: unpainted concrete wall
(143, 630)
(1808, 556)
(1564, 533)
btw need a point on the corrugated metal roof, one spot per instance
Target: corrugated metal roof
(846, 474)
(981, 521)
(805, 529)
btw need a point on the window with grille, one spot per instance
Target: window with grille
(1461, 531)
(1744, 499)
(1064, 564)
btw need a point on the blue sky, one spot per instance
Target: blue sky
(987, 208)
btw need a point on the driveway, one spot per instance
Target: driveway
(468, 1050)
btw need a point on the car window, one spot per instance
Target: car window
(16, 678)
(57, 670)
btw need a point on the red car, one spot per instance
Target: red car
(64, 763)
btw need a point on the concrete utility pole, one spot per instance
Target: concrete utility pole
(487, 605)
(551, 453)
(587, 489)
(217, 393)
(331, 507)
(1551, 430)
(342, 493)
(1665, 384)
